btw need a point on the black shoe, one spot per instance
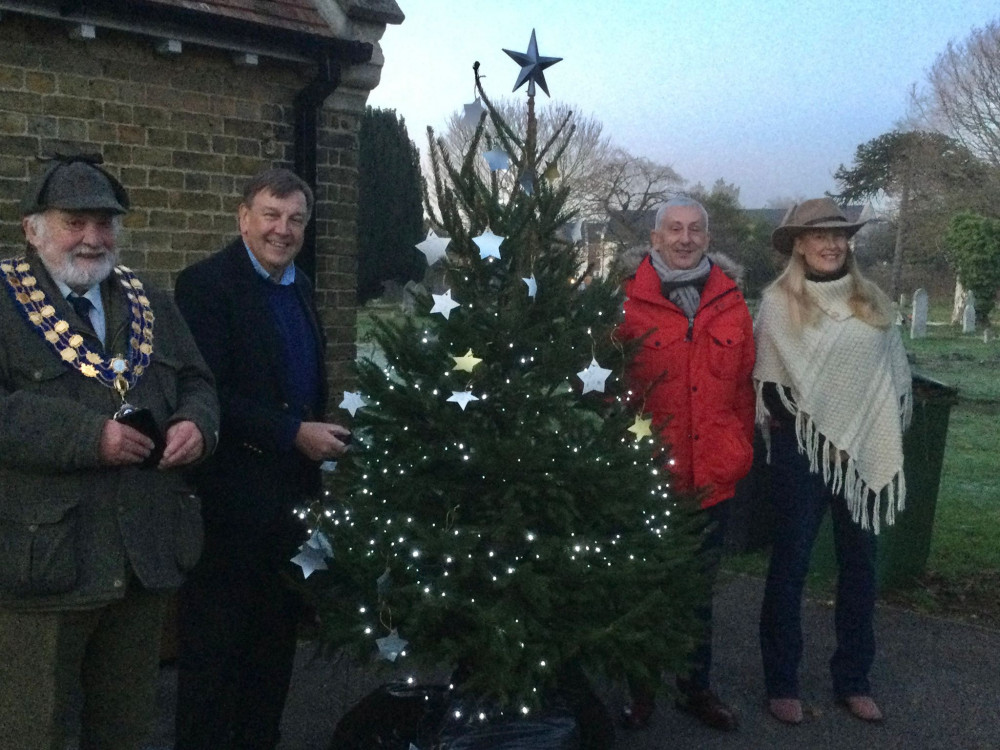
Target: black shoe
(705, 706)
(637, 714)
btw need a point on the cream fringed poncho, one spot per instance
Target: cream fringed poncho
(850, 389)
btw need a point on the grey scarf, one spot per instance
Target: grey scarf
(683, 288)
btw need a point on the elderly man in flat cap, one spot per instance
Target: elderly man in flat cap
(103, 398)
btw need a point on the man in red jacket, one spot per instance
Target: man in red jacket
(693, 375)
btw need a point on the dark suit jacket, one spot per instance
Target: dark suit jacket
(252, 481)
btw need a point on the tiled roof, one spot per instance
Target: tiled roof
(295, 15)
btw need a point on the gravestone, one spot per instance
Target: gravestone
(409, 297)
(918, 319)
(969, 315)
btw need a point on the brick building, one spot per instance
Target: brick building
(186, 100)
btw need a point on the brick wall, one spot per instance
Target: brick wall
(183, 133)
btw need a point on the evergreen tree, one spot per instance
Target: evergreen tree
(390, 216)
(527, 531)
(973, 244)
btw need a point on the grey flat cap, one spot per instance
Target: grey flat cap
(76, 183)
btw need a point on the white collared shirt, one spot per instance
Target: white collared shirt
(97, 318)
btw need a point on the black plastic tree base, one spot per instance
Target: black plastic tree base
(396, 715)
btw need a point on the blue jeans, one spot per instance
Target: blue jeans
(800, 500)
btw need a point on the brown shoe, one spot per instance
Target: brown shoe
(705, 706)
(863, 707)
(787, 710)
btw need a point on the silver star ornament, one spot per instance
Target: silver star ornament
(531, 66)
(310, 560)
(444, 304)
(390, 647)
(462, 398)
(593, 377)
(352, 402)
(532, 285)
(473, 111)
(497, 159)
(433, 247)
(488, 244)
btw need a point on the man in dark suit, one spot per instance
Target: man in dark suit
(252, 314)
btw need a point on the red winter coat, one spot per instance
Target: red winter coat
(695, 380)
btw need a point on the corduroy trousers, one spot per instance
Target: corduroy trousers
(110, 654)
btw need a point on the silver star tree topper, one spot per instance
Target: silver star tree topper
(532, 66)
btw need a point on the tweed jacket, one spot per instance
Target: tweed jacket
(253, 480)
(73, 531)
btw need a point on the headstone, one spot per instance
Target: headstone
(969, 315)
(409, 295)
(918, 320)
(392, 292)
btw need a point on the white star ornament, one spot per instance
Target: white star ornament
(434, 247)
(593, 377)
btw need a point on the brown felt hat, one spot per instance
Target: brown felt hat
(75, 183)
(818, 213)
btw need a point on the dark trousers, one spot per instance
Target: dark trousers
(800, 501)
(698, 678)
(237, 624)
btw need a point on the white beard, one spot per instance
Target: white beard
(77, 274)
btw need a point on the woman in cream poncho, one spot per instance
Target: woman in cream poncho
(833, 397)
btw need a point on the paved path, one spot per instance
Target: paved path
(937, 681)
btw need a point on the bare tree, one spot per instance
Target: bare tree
(603, 179)
(585, 151)
(625, 182)
(962, 93)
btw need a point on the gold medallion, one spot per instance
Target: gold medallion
(52, 337)
(37, 296)
(28, 281)
(48, 311)
(68, 354)
(61, 326)
(89, 370)
(75, 340)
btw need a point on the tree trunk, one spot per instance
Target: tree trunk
(897, 255)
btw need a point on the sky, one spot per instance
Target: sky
(771, 95)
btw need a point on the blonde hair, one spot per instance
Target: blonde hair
(868, 303)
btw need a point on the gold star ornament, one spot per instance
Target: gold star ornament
(466, 362)
(641, 428)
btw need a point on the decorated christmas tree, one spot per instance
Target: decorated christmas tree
(504, 509)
